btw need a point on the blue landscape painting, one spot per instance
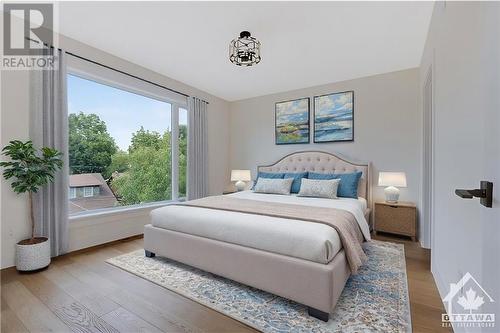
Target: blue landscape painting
(292, 121)
(333, 117)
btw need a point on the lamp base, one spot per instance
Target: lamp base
(240, 185)
(391, 194)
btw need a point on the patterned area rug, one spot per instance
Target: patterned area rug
(376, 299)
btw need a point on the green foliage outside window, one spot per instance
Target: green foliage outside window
(141, 174)
(149, 175)
(120, 162)
(90, 145)
(182, 160)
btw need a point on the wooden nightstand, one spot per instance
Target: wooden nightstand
(396, 218)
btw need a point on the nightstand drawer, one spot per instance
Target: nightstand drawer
(395, 219)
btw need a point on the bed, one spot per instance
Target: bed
(295, 259)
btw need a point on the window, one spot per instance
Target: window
(72, 192)
(183, 114)
(121, 145)
(88, 192)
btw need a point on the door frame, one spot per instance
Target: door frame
(428, 159)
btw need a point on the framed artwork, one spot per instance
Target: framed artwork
(334, 117)
(292, 121)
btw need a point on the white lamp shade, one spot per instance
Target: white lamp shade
(243, 175)
(397, 179)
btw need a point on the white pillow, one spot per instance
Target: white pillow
(319, 188)
(273, 185)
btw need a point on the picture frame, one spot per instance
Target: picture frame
(292, 121)
(333, 119)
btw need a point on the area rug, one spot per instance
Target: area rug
(374, 300)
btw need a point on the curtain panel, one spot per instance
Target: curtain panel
(49, 128)
(197, 179)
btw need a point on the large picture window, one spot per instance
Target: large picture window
(120, 147)
(183, 114)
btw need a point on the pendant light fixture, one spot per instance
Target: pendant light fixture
(245, 50)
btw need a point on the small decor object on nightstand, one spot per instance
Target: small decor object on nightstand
(240, 177)
(392, 180)
(396, 218)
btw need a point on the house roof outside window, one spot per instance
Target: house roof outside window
(105, 199)
(86, 179)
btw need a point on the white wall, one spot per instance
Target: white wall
(463, 51)
(15, 125)
(387, 122)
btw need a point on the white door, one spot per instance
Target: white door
(465, 57)
(490, 218)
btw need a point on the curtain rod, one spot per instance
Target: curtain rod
(115, 69)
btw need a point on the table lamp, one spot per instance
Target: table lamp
(392, 180)
(240, 177)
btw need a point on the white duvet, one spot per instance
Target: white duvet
(301, 239)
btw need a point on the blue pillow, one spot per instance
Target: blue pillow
(321, 176)
(297, 180)
(273, 175)
(348, 187)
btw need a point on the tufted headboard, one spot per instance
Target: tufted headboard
(322, 162)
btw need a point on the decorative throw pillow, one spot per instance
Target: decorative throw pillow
(273, 185)
(348, 187)
(272, 175)
(319, 188)
(297, 178)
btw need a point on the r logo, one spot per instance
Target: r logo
(16, 30)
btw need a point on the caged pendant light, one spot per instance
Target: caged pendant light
(245, 50)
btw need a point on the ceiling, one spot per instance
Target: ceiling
(303, 44)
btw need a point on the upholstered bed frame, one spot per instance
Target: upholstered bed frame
(318, 286)
(323, 162)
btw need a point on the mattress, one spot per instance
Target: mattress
(296, 238)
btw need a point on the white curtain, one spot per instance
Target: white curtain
(197, 179)
(49, 128)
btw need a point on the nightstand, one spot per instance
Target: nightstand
(396, 218)
(228, 192)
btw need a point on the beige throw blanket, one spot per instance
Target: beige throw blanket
(342, 221)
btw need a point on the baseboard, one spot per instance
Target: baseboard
(443, 289)
(90, 248)
(441, 286)
(424, 244)
(113, 242)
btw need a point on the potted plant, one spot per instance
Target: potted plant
(31, 169)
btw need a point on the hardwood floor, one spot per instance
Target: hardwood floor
(79, 292)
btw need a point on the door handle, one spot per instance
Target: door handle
(485, 193)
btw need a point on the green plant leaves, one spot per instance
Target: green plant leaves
(29, 167)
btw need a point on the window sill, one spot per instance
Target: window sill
(106, 215)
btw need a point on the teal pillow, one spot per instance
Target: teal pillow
(348, 187)
(297, 180)
(273, 175)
